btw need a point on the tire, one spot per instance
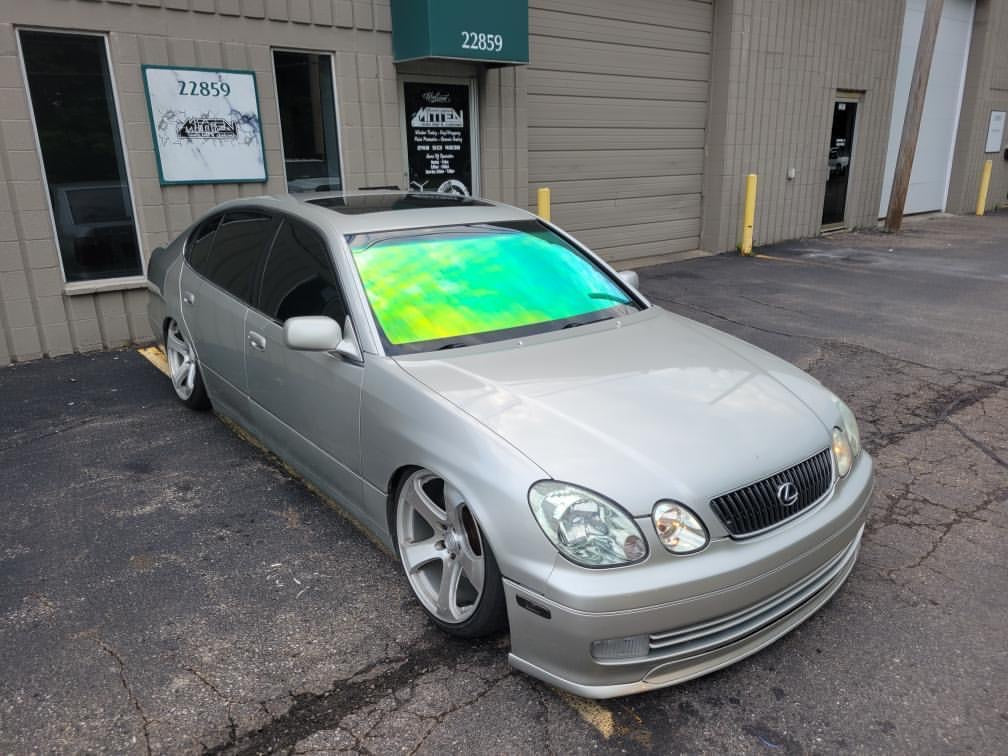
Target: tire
(183, 369)
(433, 531)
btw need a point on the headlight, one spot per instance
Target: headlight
(849, 425)
(678, 528)
(842, 453)
(585, 527)
(846, 439)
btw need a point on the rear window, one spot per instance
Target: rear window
(454, 286)
(238, 247)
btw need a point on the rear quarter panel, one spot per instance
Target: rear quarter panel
(162, 285)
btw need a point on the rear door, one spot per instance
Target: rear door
(306, 405)
(217, 286)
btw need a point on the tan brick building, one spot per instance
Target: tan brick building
(643, 122)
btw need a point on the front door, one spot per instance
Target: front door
(440, 134)
(840, 148)
(305, 405)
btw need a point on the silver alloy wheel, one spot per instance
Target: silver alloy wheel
(440, 546)
(181, 362)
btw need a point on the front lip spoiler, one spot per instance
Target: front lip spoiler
(665, 673)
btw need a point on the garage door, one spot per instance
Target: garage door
(617, 104)
(933, 159)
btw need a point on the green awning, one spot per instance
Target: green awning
(487, 31)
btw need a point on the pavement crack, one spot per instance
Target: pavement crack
(232, 725)
(47, 434)
(314, 712)
(107, 648)
(980, 445)
(739, 323)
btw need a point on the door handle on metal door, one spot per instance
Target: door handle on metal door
(257, 341)
(188, 298)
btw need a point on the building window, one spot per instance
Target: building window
(78, 133)
(307, 103)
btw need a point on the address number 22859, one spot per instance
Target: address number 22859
(488, 42)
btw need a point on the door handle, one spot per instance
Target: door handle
(257, 341)
(188, 298)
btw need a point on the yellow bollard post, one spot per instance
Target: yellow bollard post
(749, 215)
(543, 196)
(984, 188)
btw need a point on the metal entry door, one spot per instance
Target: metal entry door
(840, 149)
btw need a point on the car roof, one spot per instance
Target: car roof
(368, 211)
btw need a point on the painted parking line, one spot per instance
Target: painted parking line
(592, 712)
(156, 357)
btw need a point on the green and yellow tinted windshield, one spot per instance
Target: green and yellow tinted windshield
(470, 284)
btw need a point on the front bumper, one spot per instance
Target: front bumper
(689, 633)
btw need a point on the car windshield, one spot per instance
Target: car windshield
(449, 286)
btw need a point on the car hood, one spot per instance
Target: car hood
(653, 406)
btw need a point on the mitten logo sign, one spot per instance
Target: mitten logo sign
(208, 128)
(206, 125)
(437, 117)
(438, 137)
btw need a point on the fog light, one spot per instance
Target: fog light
(620, 648)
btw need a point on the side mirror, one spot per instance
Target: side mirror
(630, 278)
(312, 333)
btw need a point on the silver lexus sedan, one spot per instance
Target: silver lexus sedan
(640, 498)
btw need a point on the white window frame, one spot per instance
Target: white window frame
(336, 107)
(97, 284)
(858, 99)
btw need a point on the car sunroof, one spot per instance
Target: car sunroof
(357, 204)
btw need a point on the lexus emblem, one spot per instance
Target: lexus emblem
(787, 494)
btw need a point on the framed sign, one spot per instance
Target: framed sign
(439, 136)
(206, 125)
(995, 131)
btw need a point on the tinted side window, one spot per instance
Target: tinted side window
(238, 247)
(299, 278)
(199, 243)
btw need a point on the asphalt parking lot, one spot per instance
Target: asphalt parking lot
(165, 586)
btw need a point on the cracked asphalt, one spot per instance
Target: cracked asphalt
(167, 587)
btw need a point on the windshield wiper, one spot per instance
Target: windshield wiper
(452, 345)
(585, 322)
(610, 297)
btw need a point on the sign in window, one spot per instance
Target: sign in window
(82, 154)
(438, 137)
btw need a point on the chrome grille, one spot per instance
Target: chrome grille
(757, 507)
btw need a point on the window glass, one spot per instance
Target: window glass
(78, 133)
(199, 243)
(308, 121)
(459, 285)
(298, 278)
(238, 247)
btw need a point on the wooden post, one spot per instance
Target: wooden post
(912, 120)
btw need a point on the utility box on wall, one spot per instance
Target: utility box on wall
(485, 32)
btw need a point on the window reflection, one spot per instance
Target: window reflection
(308, 121)
(78, 133)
